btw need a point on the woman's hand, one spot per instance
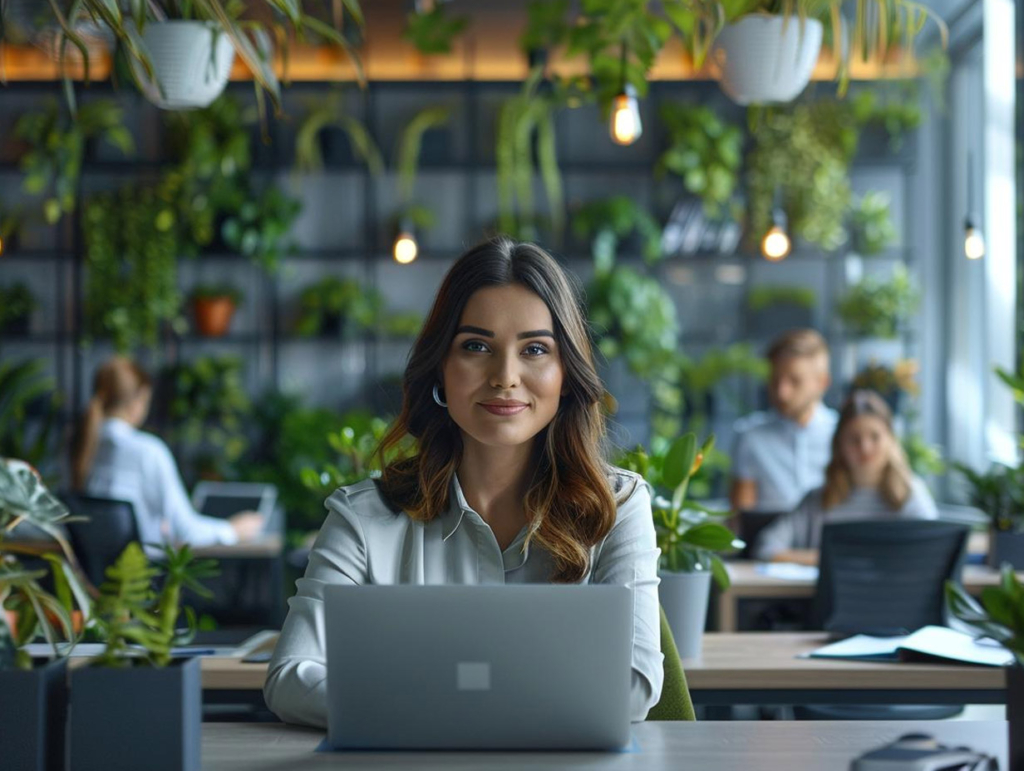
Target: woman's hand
(247, 524)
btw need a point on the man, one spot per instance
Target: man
(780, 455)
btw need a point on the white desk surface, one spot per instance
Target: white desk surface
(707, 746)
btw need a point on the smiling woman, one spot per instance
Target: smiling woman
(506, 482)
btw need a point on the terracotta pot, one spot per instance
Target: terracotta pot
(213, 315)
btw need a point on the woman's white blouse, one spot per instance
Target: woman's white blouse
(131, 465)
(363, 541)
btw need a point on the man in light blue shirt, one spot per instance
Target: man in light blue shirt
(781, 455)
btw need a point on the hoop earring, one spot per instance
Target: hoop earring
(437, 398)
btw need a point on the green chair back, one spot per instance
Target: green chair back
(675, 703)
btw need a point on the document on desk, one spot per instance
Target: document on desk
(788, 571)
(929, 643)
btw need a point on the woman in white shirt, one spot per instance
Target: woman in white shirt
(112, 458)
(506, 482)
(867, 478)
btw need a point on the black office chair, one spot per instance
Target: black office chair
(885, 578)
(751, 523)
(98, 542)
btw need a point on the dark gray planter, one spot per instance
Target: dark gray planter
(1015, 714)
(139, 717)
(772, 321)
(1006, 546)
(33, 715)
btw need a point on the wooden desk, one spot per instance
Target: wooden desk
(744, 668)
(708, 746)
(265, 547)
(748, 583)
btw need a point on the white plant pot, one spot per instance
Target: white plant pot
(765, 59)
(185, 63)
(684, 596)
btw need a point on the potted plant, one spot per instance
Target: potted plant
(26, 392)
(208, 410)
(327, 305)
(766, 50)
(705, 152)
(878, 308)
(34, 704)
(777, 307)
(891, 383)
(999, 493)
(16, 306)
(999, 617)
(872, 226)
(181, 51)
(258, 228)
(213, 307)
(135, 699)
(689, 536)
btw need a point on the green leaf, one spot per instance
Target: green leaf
(679, 460)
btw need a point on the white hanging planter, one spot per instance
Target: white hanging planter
(767, 58)
(185, 63)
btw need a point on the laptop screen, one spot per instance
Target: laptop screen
(215, 505)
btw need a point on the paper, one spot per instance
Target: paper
(932, 642)
(788, 571)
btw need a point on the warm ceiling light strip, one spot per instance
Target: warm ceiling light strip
(317, 63)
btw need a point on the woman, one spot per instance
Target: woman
(867, 478)
(506, 483)
(111, 458)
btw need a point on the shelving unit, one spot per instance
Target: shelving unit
(345, 229)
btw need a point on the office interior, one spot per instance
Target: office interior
(267, 253)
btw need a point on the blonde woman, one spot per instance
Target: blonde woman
(867, 478)
(112, 458)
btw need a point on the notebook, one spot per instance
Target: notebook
(929, 643)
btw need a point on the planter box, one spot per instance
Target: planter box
(1006, 546)
(135, 718)
(684, 596)
(33, 716)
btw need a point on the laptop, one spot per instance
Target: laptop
(538, 667)
(223, 499)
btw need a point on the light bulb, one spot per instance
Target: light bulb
(405, 249)
(626, 127)
(974, 243)
(775, 245)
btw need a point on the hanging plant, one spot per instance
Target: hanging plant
(431, 29)
(871, 223)
(327, 114)
(705, 153)
(131, 282)
(152, 33)
(529, 114)
(56, 142)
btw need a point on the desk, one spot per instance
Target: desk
(744, 668)
(748, 583)
(709, 746)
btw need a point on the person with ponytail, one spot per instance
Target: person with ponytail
(867, 478)
(112, 458)
(505, 482)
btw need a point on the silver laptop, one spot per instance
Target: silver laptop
(538, 667)
(222, 499)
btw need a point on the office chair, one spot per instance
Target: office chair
(675, 702)
(885, 578)
(98, 542)
(751, 523)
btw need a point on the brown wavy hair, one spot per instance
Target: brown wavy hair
(114, 386)
(570, 504)
(895, 485)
